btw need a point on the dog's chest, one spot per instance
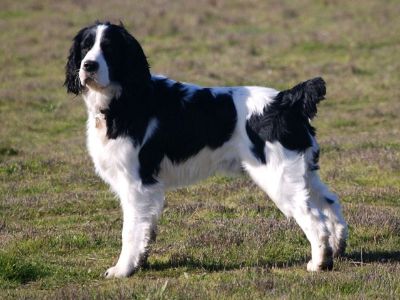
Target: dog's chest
(114, 159)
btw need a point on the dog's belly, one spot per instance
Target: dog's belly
(116, 162)
(200, 166)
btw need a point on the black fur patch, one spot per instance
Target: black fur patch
(130, 113)
(190, 119)
(316, 157)
(258, 144)
(126, 61)
(314, 166)
(286, 119)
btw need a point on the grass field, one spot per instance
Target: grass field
(60, 225)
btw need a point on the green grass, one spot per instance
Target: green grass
(60, 226)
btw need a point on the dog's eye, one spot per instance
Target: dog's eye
(86, 45)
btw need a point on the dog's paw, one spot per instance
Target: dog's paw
(316, 267)
(311, 267)
(118, 272)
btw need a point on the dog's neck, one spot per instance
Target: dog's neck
(98, 100)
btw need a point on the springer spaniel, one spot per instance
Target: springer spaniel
(148, 133)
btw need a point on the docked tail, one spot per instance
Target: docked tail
(286, 119)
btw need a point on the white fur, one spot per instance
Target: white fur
(286, 177)
(204, 164)
(116, 161)
(256, 98)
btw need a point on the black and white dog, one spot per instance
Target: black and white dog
(148, 133)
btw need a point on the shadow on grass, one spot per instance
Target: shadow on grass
(213, 266)
(374, 256)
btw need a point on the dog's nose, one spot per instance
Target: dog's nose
(91, 66)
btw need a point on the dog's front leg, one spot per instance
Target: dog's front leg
(141, 210)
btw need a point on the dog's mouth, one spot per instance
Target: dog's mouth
(91, 81)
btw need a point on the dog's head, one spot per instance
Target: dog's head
(105, 54)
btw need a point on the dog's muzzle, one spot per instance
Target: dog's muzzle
(91, 66)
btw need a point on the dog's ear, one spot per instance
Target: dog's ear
(136, 68)
(72, 82)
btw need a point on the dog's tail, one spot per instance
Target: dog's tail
(303, 98)
(286, 118)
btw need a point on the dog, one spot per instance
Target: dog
(148, 133)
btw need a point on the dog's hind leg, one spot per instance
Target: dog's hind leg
(284, 179)
(141, 210)
(328, 202)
